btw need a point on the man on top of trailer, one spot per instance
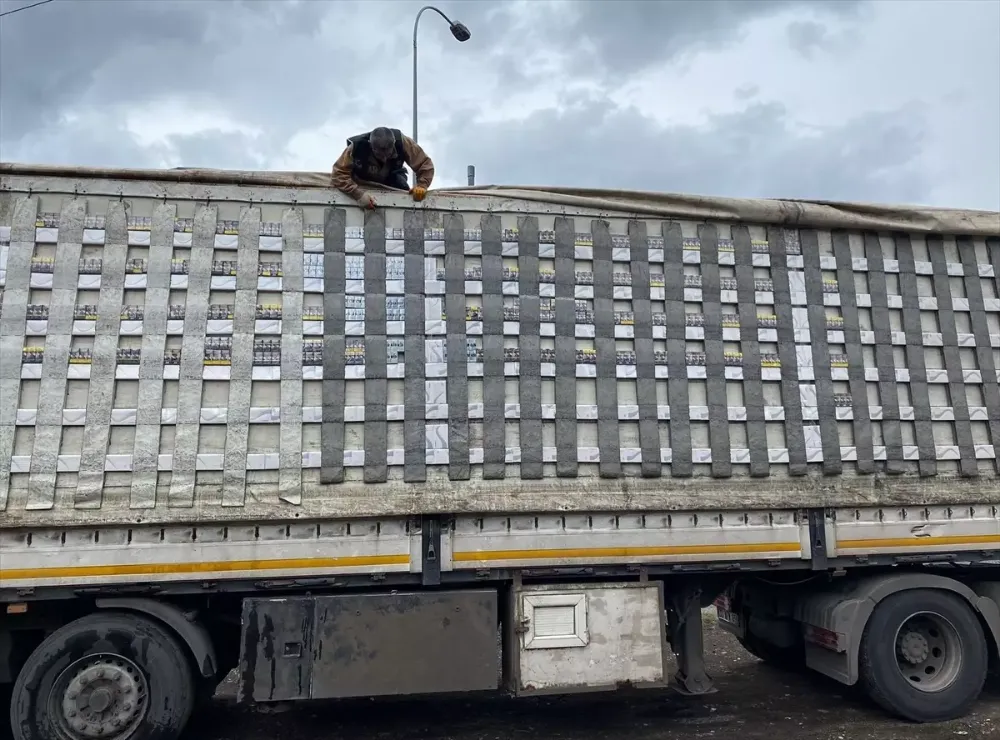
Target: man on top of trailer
(377, 158)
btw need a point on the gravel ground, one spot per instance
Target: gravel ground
(754, 702)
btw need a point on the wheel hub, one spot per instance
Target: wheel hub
(928, 652)
(913, 648)
(103, 696)
(100, 700)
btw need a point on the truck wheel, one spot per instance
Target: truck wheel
(923, 656)
(109, 675)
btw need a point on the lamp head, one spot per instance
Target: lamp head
(460, 31)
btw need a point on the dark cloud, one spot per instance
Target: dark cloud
(754, 153)
(806, 37)
(110, 51)
(627, 37)
(606, 41)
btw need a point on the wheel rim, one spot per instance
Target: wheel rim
(100, 696)
(928, 652)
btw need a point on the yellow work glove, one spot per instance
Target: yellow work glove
(418, 193)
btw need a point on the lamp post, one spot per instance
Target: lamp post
(458, 30)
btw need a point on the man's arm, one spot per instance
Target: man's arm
(342, 175)
(416, 157)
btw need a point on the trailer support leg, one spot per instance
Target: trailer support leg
(688, 641)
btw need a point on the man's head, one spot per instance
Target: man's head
(383, 144)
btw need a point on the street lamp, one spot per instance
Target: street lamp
(459, 30)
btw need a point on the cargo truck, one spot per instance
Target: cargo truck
(508, 438)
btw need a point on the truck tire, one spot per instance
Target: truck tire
(923, 656)
(112, 675)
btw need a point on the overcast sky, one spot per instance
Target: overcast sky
(884, 100)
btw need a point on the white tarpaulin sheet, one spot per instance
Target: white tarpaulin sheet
(640, 204)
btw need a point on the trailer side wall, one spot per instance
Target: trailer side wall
(180, 352)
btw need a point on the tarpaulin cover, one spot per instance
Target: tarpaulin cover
(622, 203)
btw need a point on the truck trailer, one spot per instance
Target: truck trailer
(505, 439)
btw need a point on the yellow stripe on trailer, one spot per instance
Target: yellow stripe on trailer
(221, 566)
(580, 553)
(900, 543)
